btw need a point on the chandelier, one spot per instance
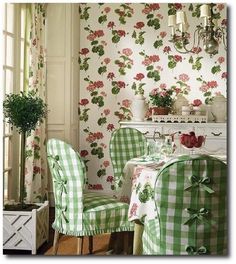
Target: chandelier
(209, 33)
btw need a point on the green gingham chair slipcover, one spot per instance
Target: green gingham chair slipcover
(125, 144)
(78, 213)
(191, 204)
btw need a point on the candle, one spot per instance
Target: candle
(171, 20)
(181, 17)
(205, 11)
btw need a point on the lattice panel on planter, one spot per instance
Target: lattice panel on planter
(26, 230)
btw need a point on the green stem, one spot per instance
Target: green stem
(22, 169)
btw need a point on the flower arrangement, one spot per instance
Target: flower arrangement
(161, 97)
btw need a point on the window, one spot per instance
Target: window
(13, 62)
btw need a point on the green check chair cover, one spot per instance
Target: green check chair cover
(191, 204)
(78, 213)
(125, 144)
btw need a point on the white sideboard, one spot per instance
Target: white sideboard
(216, 133)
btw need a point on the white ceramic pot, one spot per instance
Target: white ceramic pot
(179, 102)
(139, 108)
(197, 110)
(186, 110)
(219, 108)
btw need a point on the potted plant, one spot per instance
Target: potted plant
(24, 111)
(161, 100)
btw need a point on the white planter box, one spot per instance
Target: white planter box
(26, 230)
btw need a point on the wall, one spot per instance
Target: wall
(123, 44)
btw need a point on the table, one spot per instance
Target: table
(138, 189)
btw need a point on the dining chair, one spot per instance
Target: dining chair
(125, 143)
(78, 213)
(191, 206)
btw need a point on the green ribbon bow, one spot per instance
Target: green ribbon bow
(197, 181)
(61, 185)
(61, 215)
(55, 163)
(194, 252)
(197, 216)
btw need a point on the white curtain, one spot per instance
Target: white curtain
(35, 79)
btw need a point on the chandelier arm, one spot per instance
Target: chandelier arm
(198, 32)
(182, 52)
(223, 37)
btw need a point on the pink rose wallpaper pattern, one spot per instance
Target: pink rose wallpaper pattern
(124, 47)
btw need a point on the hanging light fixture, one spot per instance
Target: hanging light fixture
(209, 33)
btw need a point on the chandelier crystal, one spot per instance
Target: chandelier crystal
(208, 32)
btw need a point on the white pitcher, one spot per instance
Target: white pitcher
(139, 108)
(219, 108)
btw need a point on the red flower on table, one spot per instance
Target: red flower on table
(139, 76)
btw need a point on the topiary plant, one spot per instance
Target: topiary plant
(24, 111)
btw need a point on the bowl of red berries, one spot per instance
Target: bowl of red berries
(191, 141)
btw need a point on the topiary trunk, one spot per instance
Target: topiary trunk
(22, 169)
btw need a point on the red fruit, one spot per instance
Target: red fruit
(193, 140)
(187, 141)
(200, 140)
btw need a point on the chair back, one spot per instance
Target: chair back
(68, 172)
(125, 144)
(191, 203)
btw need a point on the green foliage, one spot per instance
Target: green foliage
(158, 43)
(216, 69)
(24, 111)
(162, 99)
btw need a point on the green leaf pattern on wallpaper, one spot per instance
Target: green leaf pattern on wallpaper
(125, 48)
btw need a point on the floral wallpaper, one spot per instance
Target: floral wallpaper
(124, 47)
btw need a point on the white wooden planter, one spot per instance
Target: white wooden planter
(26, 230)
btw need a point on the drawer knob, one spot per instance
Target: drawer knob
(216, 134)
